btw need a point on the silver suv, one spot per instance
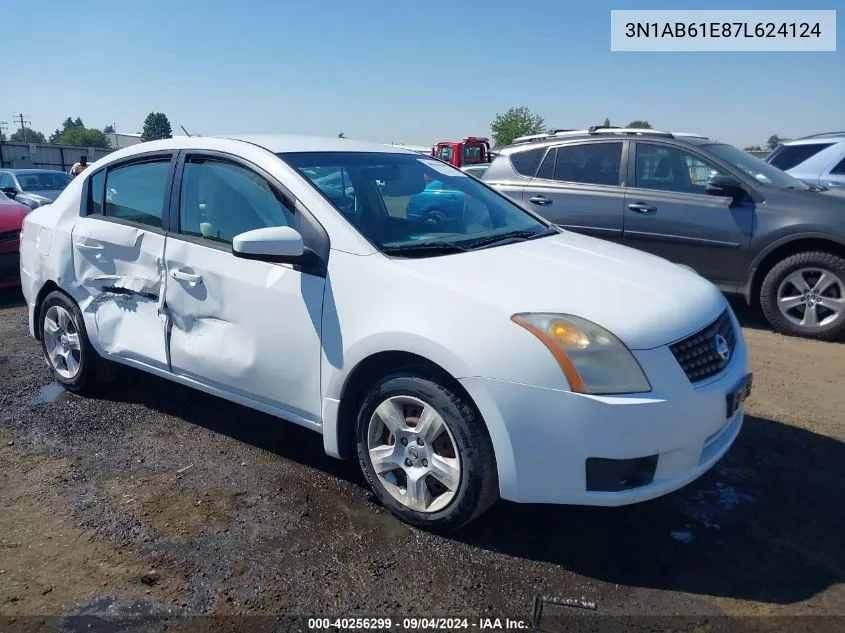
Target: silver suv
(818, 159)
(743, 224)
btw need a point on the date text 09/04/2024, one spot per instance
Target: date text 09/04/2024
(417, 624)
(723, 29)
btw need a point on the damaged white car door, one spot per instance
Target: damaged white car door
(118, 252)
(248, 327)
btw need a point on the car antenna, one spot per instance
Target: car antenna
(184, 130)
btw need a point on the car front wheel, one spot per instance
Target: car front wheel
(804, 295)
(425, 452)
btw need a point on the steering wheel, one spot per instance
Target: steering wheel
(432, 216)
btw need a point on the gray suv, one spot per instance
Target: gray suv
(746, 226)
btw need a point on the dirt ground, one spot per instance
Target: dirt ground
(156, 500)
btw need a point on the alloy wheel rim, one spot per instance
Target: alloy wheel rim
(61, 340)
(811, 297)
(414, 454)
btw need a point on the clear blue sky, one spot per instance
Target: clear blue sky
(397, 70)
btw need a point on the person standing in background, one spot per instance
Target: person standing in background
(79, 167)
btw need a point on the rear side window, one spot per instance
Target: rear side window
(590, 163)
(525, 163)
(839, 169)
(95, 193)
(136, 192)
(788, 156)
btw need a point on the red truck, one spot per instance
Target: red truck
(472, 150)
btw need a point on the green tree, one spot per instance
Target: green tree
(514, 123)
(156, 126)
(31, 136)
(774, 141)
(109, 129)
(606, 122)
(83, 137)
(640, 125)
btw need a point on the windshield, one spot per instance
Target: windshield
(414, 205)
(43, 181)
(756, 168)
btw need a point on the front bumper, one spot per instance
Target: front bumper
(544, 439)
(10, 267)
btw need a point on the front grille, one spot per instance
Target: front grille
(10, 266)
(10, 236)
(698, 355)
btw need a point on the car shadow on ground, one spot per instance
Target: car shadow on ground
(749, 316)
(11, 298)
(765, 524)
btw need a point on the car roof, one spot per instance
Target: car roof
(275, 143)
(539, 140)
(830, 137)
(32, 171)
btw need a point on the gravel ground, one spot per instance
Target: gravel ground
(156, 499)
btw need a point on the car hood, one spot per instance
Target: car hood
(49, 194)
(644, 300)
(11, 215)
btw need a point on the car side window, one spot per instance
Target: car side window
(220, 200)
(6, 181)
(839, 170)
(525, 163)
(95, 193)
(589, 163)
(136, 192)
(668, 168)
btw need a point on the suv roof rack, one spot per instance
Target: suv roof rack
(603, 129)
(819, 135)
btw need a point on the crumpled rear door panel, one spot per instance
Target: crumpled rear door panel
(120, 268)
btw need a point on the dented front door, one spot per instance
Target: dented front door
(120, 268)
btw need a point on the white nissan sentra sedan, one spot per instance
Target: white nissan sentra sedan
(459, 346)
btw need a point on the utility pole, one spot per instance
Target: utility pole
(3, 127)
(23, 123)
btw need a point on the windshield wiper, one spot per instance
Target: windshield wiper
(509, 235)
(424, 248)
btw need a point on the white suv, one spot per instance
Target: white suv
(817, 159)
(458, 357)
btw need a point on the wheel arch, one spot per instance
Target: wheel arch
(782, 249)
(48, 287)
(364, 374)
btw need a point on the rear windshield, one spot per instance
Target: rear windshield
(788, 156)
(43, 181)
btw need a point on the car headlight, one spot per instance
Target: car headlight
(593, 360)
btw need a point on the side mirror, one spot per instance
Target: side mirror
(723, 185)
(10, 191)
(270, 244)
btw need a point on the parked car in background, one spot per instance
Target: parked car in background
(484, 355)
(817, 160)
(745, 225)
(33, 187)
(11, 220)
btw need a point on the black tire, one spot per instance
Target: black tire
(93, 371)
(768, 294)
(478, 488)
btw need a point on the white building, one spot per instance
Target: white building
(119, 140)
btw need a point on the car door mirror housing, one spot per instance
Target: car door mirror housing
(10, 191)
(727, 186)
(270, 244)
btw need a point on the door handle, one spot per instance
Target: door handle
(540, 200)
(181, 275)
(89, 247)
(642, 207)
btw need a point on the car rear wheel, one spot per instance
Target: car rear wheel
(424, 451)
(67, 350)
(804, 295)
